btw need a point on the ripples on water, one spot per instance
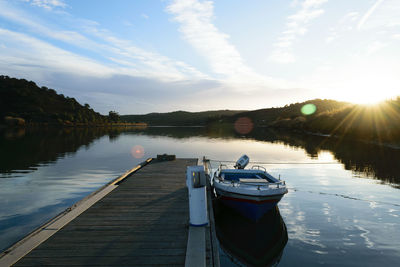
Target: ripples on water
(336, 214)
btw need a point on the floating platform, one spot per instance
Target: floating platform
(139, 219)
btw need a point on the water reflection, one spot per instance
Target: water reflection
(23, 150)
(250, 243)
(367, 159)
(362, 158)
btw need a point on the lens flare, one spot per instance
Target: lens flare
(243, 125)
(308, 109)
(137, 151)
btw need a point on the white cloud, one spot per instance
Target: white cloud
(368, 13)
(294, 3)
(24, 53)
(350, 16)
(131, 60)
(28, 22)
(382, 14)
(48, 4)
(332, 36)
(346, 23)
(127, 23)
(195, 18)
(282, 56)
(305, 15)
(375, 46)
(297, 25)
(149, 64)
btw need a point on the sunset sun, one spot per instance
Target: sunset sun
(367, 86)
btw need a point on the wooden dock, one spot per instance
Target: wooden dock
(143, 221)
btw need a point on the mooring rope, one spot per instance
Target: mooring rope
(258, 162)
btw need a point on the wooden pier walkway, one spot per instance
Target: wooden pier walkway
(142, 222)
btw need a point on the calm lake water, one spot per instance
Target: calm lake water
(342, 209)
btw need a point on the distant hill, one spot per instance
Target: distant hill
(23, 99)
(260, 117)
(269, 116)
(180, 118)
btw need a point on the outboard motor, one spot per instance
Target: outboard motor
(242, 162)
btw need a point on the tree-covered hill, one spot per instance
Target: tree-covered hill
(379, 123)
(268, 116)
(260, 117)
(180, 118)
(23, 99)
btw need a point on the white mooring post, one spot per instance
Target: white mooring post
(196, 183)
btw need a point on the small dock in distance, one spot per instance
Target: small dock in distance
(143, 221)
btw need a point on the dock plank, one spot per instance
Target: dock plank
(143, 222)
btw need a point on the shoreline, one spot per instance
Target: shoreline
(35, 125)
(142, 125)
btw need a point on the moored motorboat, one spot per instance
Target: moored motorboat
(252, 192)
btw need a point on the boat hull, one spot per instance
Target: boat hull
(249, 206)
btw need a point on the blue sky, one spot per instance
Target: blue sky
(156, 56)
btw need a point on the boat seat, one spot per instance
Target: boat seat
(252, 180)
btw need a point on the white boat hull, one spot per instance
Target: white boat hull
(250, 197)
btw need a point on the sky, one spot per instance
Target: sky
(137, 57)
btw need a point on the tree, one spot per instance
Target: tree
(113, 116)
